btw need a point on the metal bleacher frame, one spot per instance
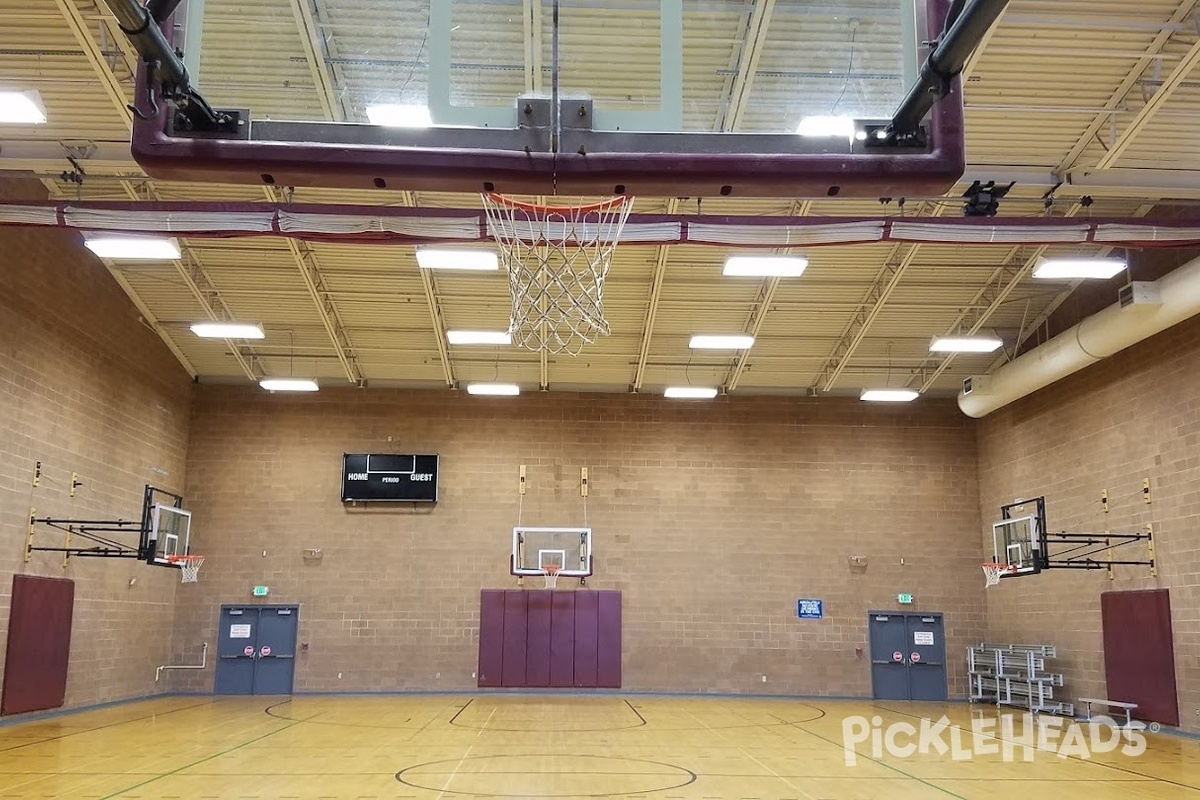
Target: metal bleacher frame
(1015, 675)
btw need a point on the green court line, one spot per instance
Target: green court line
(884, 764)
(200, 761)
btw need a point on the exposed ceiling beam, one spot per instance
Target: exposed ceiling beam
(439, 326)
(91, 51)
(1148, 111)
(331, 318)
(661, 258)
(198, 282)
(747, 68)
(739, 98)
(313, 47)
(758, 312)
(1119, 97)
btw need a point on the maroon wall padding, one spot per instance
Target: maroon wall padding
(516, 627)
(587, 637)
(1139, 653)
(491, 636)
(549, 638)
(537, 644)
(39, 644)
(608, 643)
(562, 640)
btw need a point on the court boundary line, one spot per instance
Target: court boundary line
(1071, 757)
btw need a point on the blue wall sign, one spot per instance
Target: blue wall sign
(809, 609)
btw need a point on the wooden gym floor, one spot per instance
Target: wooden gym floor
(539, 746)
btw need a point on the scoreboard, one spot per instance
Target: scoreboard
(389, 477)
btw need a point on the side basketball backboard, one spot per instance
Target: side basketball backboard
(1015, 543)
(1019, 538)
(655, 97)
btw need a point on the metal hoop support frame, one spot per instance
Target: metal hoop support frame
(556, 258)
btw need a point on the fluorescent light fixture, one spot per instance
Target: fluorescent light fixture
(478, 337)
(1078, 268)
(829, 127)
(396, 115)
(888, 395)
(288, 385)
(133, 248)
(766, 266)
(21, 108)
(965, 344)
(448, 258)
(494, 389)
(690, 393)
(227, 330)
(712, 341)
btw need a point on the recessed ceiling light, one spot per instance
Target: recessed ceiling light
(965, 344)
(478, 337)
(227, 330)
(21, 108)
(133, 248)
(494, 389)
(399, 115)
(288, 385)
(1078, 268)
(707, 341)
(690, 392)
(461, 258)
(763, 266)
(888, 395)
(828, 127)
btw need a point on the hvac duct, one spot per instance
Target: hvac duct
(1141, 313)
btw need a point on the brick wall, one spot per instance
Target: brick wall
(712, 518)
(86, 388)
(1131, 417)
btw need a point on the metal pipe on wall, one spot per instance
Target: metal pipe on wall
(203, 662)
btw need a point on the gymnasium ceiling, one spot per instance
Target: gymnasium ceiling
(1103, 87)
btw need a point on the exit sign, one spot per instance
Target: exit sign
(904, 599)
(260, 591)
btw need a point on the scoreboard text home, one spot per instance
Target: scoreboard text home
(389, 477)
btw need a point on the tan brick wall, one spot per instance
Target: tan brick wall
(712, 518)
(85, 387)
(1131, 417)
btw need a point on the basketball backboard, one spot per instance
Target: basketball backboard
(569, 549)
(1019, 538)
(658, 97)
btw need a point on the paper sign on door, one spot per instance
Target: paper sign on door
(239, 631)
(922, 637)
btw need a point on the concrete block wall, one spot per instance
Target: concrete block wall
(712, 518)
(85, 387)
(1131, 417)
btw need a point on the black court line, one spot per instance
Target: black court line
(270, 712)
(1073, 758)
(101, 727)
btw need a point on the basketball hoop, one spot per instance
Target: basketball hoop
(189, 567)
(992, 572)
(551, 573)
(557, 258)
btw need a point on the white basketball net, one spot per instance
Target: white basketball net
(551, 574)
(189, 567)
(557, 258)
(993, 572)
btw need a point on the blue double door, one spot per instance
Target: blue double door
(908, 656)
(256, 651)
